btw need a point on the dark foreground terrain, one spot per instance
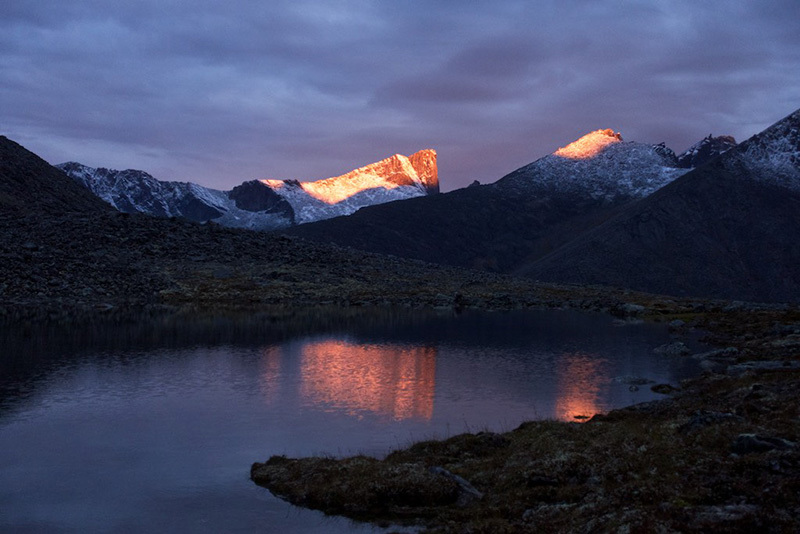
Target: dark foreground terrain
(720, 454)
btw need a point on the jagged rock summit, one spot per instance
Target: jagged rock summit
(394, 178)
(264, 204)
(705, 150)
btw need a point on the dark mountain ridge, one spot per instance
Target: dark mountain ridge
(29, 185)
(705, 150)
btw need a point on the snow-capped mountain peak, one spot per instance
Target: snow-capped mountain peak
(390, 173)
(394, 178)
(589, 145)
(599, 165)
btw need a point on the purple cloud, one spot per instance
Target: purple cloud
(216, 94)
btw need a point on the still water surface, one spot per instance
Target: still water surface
(154, 427)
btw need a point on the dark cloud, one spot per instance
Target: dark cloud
(219, 93)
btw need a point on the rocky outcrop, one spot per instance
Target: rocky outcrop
(705, 150)
(257, 197)
(424, 162)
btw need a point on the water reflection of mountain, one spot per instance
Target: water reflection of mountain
(393, 380)
(397, 381)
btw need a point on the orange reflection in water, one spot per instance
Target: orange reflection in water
(579, 379)
(392, 380)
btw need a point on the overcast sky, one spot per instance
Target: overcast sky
(221, 92)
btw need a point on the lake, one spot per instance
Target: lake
(154, 426)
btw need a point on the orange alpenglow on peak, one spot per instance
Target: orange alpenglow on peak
(396, 171)
(589, 145)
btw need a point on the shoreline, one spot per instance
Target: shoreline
(721, 453)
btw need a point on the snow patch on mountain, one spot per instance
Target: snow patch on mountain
(589, 145)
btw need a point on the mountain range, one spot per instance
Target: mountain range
(66, 255)
(523, 216)
(263, 204)
(719, 220)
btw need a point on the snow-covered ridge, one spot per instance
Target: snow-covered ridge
(395, 178)
(265, 204)
(773, 156)
(390, 173)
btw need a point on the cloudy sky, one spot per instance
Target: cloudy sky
(219, 92)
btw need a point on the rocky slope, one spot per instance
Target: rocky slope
(727, 229)
(29, 185)
(522, 217)
(263, 204)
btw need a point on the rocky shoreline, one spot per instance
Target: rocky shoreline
(720, 454)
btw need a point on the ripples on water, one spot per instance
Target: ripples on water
(154, 426)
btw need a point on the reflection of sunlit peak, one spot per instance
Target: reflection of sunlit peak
(393, 380)
(579, 379)
(589, 145)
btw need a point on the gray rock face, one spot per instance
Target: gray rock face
(753, 443)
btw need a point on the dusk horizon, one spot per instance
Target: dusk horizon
(307, 91)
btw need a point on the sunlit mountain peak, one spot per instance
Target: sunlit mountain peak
(418, 170)
(590, 144)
